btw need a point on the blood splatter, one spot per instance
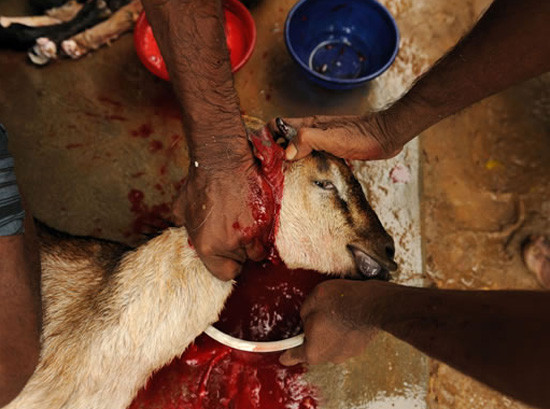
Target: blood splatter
(110, 101)
(136, 199)
(148, 219)
(91, 114)
(144, 131)
(74, 145)
(155, 146)
(178, 185)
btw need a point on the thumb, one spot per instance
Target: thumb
(293, 356)
(307, 140)
(296, 151)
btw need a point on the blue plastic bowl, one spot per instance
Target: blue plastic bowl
(341, 44)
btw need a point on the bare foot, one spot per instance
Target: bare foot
(536, 255)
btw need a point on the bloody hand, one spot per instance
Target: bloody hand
(218, 211)
(350, 137)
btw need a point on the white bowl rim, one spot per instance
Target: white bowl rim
(254, 346)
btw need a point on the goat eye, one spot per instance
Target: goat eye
(325, 184)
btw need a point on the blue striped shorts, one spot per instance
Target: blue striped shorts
(12, 214)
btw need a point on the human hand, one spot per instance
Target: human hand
(340, 318)
(349, 137)
(218, 210)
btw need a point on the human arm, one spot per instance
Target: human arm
(500, 338)
(222, 173)
(508, 45)
(20, 307)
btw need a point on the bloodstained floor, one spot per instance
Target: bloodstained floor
(99, 151)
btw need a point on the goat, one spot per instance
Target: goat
(113, 315)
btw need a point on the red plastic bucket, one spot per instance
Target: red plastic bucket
(240, 33)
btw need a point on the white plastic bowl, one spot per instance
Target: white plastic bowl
(254, 346)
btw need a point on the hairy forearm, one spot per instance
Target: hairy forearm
(191, 39)
(508, 45)
(498, 337)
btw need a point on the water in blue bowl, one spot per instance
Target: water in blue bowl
(341, 43)
(344, 58)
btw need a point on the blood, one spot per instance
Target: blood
(178, 185)
(148, 219)
(213, 376)
(136, 199)
(265, 200)
(144, 131)
(110, 101)
(74, 145)
(210, 375)
(106, 116)
(155, 146)
(263, 208)
(264, 306)
(91, 114)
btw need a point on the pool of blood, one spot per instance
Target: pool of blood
(213, 376)
(265, 305)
